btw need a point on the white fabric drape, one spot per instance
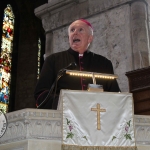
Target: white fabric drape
(80, 126)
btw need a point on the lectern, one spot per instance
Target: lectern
(97, 120)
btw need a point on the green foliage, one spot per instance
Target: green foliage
(70, 135)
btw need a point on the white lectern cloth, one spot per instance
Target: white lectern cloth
(80, 122)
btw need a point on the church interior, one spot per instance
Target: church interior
(126, 52)
(121, 34)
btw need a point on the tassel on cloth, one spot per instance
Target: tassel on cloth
(75, 147)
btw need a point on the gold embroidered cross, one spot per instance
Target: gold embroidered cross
(98, 115)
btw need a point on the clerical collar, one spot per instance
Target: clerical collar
(80, 55)
(77, 54)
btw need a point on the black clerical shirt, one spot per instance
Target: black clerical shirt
(88, 62)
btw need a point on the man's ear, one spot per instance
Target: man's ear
(90, 39)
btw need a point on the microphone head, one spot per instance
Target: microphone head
(73, 65)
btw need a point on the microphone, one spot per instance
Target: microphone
(59, 75)
(70, 66)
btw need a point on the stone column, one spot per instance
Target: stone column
(49, 44)
(140, 35)
(49, 33)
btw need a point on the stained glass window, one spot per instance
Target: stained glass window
(6, 57)
(39, 57)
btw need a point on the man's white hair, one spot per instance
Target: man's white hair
(91, 30)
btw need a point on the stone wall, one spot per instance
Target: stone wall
(120, 30)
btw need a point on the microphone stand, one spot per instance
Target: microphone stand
(59, 75)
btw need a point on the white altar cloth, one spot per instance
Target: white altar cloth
(111, 126)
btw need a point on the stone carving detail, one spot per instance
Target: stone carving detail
(32, 124)
(142, 129)
(45, 129)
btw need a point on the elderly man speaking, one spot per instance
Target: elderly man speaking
(80, 36)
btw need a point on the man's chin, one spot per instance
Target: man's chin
(75, 47)
(78, 50)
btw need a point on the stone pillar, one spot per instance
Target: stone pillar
(49, 44)
(49, 33)
(140, 34)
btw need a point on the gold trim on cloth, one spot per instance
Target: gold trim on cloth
(75, 147)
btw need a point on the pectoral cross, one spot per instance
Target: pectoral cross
(98, 115)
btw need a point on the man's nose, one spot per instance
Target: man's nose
(76, 32)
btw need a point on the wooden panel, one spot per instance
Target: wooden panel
(144, 113)
(141, 95)
(139, 85)
(142, 106)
